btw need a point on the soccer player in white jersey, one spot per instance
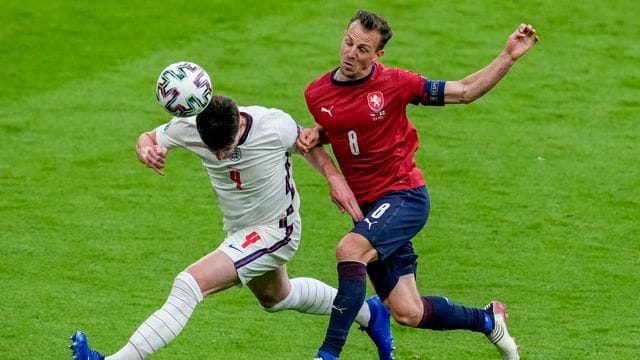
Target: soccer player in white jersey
(246, 153)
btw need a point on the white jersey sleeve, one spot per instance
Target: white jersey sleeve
(174, 133)
(288, 130)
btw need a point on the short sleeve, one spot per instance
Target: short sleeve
(411, 85)
(175, 133)
(288, 130)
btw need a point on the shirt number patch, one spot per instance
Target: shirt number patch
(353, 142)
(380, 210)
(250, 239)
(234, 175)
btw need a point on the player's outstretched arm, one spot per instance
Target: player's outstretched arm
(477, 84)
(340, 192)
(150, 153)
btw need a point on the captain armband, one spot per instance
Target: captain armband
(434, 91)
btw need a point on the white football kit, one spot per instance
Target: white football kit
(254, 187)
(259, 203)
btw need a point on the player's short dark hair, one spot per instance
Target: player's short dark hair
(218, 123)
(373, 22)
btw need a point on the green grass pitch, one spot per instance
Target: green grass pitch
(534, 187)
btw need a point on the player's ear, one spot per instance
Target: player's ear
(379, 53)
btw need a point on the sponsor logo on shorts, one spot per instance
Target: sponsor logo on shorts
(370, 223)
(234, 247)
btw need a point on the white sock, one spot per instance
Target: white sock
(166, 323)
(311, 296)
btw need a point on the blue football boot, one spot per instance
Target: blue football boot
(379, 329)
(80, 348)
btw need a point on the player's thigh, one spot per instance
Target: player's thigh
(214, 272)
(394, 219)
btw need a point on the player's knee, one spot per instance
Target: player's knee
(274, 303)
(269, 301)
(355, 247)
(271, 308)
(343, 252)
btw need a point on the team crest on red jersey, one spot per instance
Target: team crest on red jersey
(375, 100)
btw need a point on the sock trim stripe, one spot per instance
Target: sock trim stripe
(145, 338)
(166, 325)
(182, 324)
(136, 349)
(181, 299)
(186, 316)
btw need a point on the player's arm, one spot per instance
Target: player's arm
(311, 137)
(477, 84)
(341, 193)
(150, 153)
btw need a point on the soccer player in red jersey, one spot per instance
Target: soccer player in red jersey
(360, 109)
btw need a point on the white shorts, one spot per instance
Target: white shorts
(258, 249)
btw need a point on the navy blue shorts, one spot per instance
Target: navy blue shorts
(389, 225)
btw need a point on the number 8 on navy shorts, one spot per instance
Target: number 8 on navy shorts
(389, 225)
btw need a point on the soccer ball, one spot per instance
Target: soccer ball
(184, 89)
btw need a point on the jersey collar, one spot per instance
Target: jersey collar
(351, 82)
(245, 134)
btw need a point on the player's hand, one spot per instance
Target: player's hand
(343, 197)
(520, 41)
(153, 157)
(308, 139)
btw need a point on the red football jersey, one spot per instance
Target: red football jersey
(366, 123)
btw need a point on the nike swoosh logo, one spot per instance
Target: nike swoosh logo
(235, 248)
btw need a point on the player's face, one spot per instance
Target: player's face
(224, 153)
(358, 51)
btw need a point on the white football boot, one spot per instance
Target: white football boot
(499, 336)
